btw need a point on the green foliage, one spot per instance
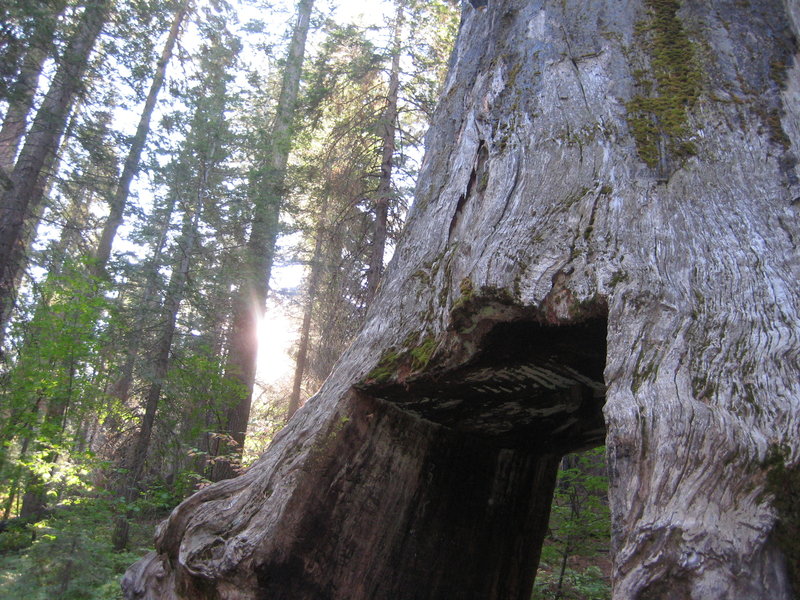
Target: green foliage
(54, 389)
(266, 419)
(587, 584)
(68, 556)
(80, 359)
(579, 533)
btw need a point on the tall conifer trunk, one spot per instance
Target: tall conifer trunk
(603, 248)
(267, 192)
(19, 202)
(21, 101)
(131, 166)
(388, 146)
(121, 387)
(160, 360)
(21, 96)
(21, 251)
(308, 312)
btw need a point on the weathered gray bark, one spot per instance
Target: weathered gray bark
(267, 193)
(554, 263)
(131, 166)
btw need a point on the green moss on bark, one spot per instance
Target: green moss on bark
(411, 358)
(659, 118)
(386, 367)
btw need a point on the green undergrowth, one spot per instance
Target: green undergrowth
(68, 555)
(575, 562)
(658, 117)
(581, 583)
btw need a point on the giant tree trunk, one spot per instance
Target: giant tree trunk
(603, 245)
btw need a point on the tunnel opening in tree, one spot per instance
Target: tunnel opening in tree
(530, 386)
(530, 393)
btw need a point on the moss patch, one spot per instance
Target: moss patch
(617, 277)
(473, 306)
(783, 483)
(412, 357)
(421, 355)
(658, 117)
(386, 367)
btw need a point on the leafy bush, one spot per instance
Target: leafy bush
(589, 584)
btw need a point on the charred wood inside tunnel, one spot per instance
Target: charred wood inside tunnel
(529, 386)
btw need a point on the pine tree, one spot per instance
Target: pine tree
(131, 165)
(267, 194)
(40, 44)
(22, 197)
(196, 176)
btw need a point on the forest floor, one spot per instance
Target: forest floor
(68, 555)
(585, 578)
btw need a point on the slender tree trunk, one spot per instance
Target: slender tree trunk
(16, 478)
(121, 387)
(21, 251)
(131, 166)
(305, 328)
(388, 134)
(602, 247)
(176, 291)
(20, 100)
(20, 201)
(267, 193)
(57, 403)
(34, 500)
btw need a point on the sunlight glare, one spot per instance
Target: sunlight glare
(277, 333)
